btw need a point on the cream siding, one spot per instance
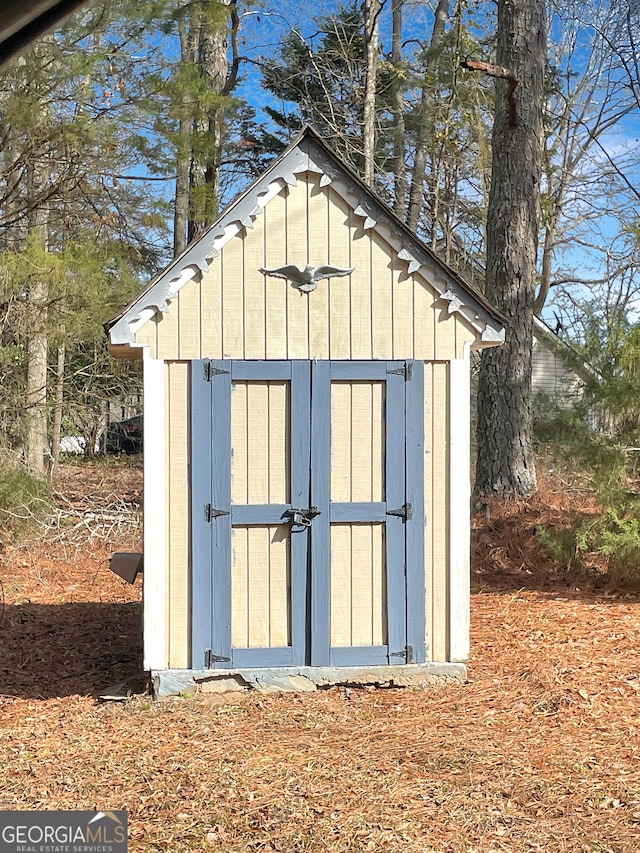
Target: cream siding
(211, 310)
(357, 441)
(379, 312)
(403, 323)
(168, 338)
(339, 316)
(276, 295)
(260, 574)
(436, 486)
(178, 515)
(358, 570)
(318, 219)
(298, 249)
(358, 585)
(189, 320)
(261, 571)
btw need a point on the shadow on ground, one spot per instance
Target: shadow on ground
(55, 650)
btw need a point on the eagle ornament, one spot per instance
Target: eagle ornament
(307, 279)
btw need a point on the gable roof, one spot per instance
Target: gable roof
(308, 153)
(22, 21)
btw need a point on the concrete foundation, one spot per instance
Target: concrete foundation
(301, 679)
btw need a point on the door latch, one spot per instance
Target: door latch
(301, 518)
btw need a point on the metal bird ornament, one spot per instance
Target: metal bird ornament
(306, 279)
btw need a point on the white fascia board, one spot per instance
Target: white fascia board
(459, 506)
(155, 576)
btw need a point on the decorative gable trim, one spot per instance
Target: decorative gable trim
(308, 154)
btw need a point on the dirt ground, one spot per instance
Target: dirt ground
(538, 752)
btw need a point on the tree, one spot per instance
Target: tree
(398, 161)
(372, 10)
(425, 127)
(65, 184)
(505, 456)
(588, 100)
(323, 77)
(206, 78)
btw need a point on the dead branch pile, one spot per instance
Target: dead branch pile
(91, 504)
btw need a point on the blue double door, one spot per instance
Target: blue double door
(307, 513)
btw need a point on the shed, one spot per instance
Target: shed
(306, 441)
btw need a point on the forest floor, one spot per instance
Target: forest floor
(538, 752)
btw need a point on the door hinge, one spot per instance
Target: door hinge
(406, 653)
(210, 371)
(210, 659)
(405, 512)
(211, 512)
(406, 370)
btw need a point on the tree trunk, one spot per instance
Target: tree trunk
(205, 162)
(183, 150)
(425, 127)
(397, 103)
(36, 451)
(372, 10)
(505, 464)
(36, 445)
(183, 169)
(546, 267)
(57, 411)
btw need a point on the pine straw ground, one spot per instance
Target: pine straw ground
(538, 752)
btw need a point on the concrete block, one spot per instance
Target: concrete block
(303, 679)
(223, 683)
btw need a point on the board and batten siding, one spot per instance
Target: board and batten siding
(378, 312)
(178, 526)
(260, 474)
(358, 582)
(351, 548)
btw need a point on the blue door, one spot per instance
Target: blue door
(307, 513)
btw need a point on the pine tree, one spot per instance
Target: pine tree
(505, 463)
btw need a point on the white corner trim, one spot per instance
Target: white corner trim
(156, 652)
(459, 506)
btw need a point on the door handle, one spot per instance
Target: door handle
(301, 518)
